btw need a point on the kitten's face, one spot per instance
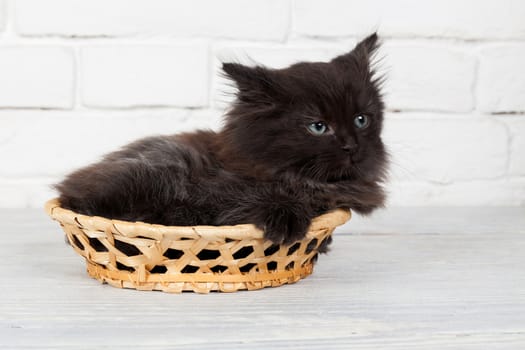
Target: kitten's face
(320, 120)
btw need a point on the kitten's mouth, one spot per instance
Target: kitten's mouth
(355, 158)
(350, 168)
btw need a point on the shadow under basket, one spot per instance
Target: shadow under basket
(201, 259)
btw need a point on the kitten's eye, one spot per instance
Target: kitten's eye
(361, 121)
(318, 128)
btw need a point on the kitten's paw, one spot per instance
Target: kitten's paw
(284, 226)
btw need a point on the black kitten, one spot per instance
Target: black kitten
(297, 142)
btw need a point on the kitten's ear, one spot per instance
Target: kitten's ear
(368, 45)
(244, 76)
(254, 83)
(361, 55)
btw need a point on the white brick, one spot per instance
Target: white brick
(502, 78)
(428, 78)
(504, 192)
(145, 76)
(272, 56)
(262, 19)
(36, 77)
(516, 126)
(51, 143)
(470, 19)
(2, 14)
(434, 148)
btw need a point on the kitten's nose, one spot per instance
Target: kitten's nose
(350, 147)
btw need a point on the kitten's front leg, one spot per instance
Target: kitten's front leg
(284, 218)
(286, 223)
(284, 215)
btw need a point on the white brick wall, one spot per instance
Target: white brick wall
(443, 150)
(2, 15)
(516, 126)
(79, 78)
(238, 19)
(429, 77)
(124, 76)
(502, 78)
(465, 19)
(36, 77)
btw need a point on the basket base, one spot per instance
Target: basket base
(197, 282)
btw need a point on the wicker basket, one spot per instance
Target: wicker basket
(190, 258)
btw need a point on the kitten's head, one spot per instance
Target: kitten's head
(321, 120)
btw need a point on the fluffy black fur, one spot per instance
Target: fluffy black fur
(264, 167)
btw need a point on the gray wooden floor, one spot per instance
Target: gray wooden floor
(402, 279)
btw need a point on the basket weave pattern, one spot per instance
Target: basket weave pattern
(190, 258)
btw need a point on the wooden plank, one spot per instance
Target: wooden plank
(372, 291)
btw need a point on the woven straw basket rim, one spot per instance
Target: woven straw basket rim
(133, 229)
(201, 259)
